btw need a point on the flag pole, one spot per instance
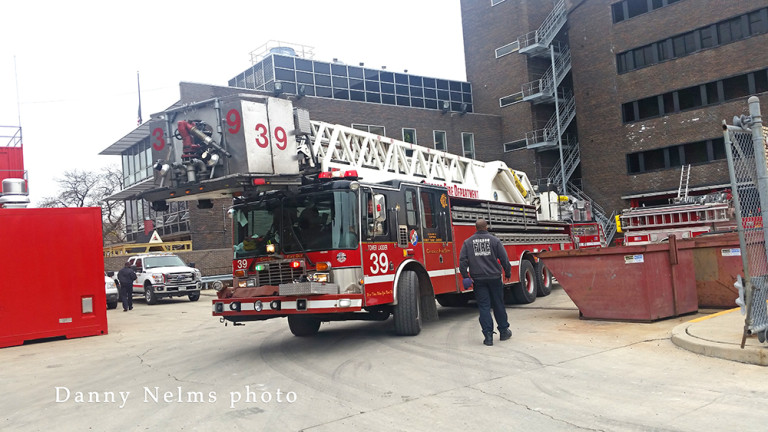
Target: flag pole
(138, 83)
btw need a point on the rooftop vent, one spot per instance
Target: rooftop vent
(14, 194)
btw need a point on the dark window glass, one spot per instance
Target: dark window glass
(285, 75)
(624, 62)
(430, 103)
(401, 90)
(718, 148)
(371, 74)
(323, 68)
(455, 86)
(388, 99)
(338, 70)
(357, 96)
(305, 77)
(648, 107)
(456, 106)
(668, 101)
(684, 44)
(372, 97)
(403, 101)
(675, 159)
(356, 84)
(372, 86)
(455, 96)
(633, 163)
(340, 82)
(689, 98)
(466, 87)
(324, 91)
(417, 91)
(341, 94)
(289, 87)
(387, 77)
(628, 110)
(761, 81)
(636, 7)
(664, 49)
(307, 89)
(430, 93)
(655, 4)
(654, 159)
(730, 30)
(284, 62)
(618, 12)
(303, 65)
(757, 22)
(387, 88)
(323, 80)
(443, 95)
(696, 152)
(712, 95)
(355, 72)
(414, 80)
(706, 37)
(467, 97)
(417, 102)
(735, 87)
(442, 84)
(429, 82)
(401, 78)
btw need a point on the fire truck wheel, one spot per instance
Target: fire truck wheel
(149, 295)
(194, 297)
(303, 326)
(407, 313)
(544, 280)
(525, 290)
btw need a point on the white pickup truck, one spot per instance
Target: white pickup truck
(161, 275)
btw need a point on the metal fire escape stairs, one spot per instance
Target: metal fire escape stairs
(541, 43)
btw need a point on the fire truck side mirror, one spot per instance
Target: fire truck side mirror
(379, 208)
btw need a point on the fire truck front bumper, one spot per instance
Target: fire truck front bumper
(262, 308)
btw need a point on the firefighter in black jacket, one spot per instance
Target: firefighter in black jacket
(126, 276)
(481, 254)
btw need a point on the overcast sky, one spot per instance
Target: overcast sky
(76, 61)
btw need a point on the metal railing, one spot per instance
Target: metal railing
(607, 222)
(548, 134)
(547, 31)
(570, 161)
(135, 248)
(544, 87)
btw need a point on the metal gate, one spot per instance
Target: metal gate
(745, 148)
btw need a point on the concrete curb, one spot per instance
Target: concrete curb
(714, 345)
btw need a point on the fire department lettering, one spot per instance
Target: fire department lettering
(481, 246)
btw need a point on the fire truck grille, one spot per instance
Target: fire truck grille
(278, 273)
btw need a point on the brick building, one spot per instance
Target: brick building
(609, 98)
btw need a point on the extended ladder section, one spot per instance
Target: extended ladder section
(377, 159)
(511, 223)
(674, 216)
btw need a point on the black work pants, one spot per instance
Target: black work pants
(126, 295)
(489, 293)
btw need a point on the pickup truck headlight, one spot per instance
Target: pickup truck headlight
(158, 279)
(198, 275)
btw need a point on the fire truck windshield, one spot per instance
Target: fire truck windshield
(295, 224)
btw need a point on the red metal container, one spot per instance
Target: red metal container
(11, 163)
(51, 267)
(629, 283)
(717, 262)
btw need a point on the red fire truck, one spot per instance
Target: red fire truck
(331, 223)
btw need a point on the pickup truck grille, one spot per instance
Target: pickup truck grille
(277, 273)
(180, 278)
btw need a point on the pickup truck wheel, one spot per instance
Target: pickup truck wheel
(149, 295)
(194, 297)
(303, 326)
(407, 310)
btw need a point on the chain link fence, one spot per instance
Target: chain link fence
(745, 146)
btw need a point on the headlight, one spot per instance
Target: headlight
(198, 275)
(158, 278)
(319, 277)
(251, 283)
(111, 284)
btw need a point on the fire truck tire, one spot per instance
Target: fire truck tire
(544, 280)
(525, 291)
(149, 295)
(407, 313)
(194, 297)
(303, 326)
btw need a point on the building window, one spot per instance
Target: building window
(510, 99)
(468, 144)
(697, 96)
(710, 36)
(507, 49)
(699, 152)
(137, 163)
(409, 135)
(376, 130)
(441, 142)
(627, 9)
(514, 145)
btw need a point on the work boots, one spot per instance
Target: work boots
(505, 334)
(488, 339)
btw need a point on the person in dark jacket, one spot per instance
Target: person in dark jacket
(126, 276)
(484, 256)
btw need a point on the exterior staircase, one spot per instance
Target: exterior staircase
(536, 43)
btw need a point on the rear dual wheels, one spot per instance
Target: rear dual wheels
(544, 287)
(523, 292)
